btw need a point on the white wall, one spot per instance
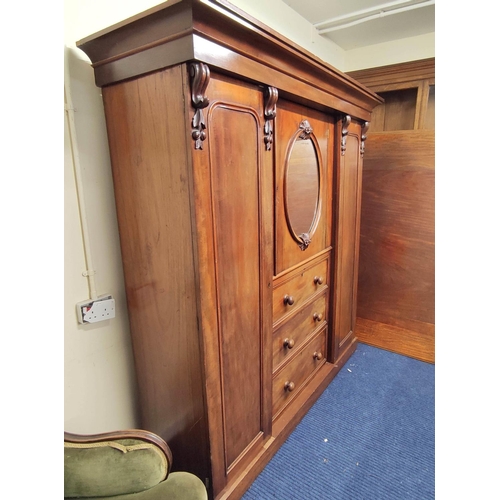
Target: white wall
(283, 19)
(99, 377)
(99, 381)
(85, 17)
(382, 54)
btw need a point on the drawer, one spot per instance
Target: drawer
(289, 380)
(292, 293)
(289, 337)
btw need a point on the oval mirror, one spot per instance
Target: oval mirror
(302, 188)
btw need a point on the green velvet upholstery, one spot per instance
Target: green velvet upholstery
(112, 468)
(178, 486)
(125, 469)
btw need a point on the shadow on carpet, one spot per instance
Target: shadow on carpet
(369, 436)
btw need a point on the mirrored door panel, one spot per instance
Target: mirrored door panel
(304, 158)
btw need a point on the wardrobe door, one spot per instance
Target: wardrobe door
(348, 224)
(233, 179)
(302, 187)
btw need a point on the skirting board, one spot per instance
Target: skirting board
(396, 339)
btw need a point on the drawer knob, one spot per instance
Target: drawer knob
(289, 343)
(317, 316)
(288, 300)
(318, 356)
(289, 386)
(318, 280)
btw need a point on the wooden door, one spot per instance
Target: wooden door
(303, 189)
(233, 186)
(349, 177)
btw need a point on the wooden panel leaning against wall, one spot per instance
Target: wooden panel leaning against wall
(396, 263)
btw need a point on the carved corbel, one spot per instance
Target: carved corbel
(364, 131)
(200, 76)
(346, 121)
(271, 98)
(306, 130)
(305, 241)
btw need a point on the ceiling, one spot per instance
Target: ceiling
(352, 24)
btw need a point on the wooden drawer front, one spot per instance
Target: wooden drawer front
(299, 288)
(291, 335)
(297, 371)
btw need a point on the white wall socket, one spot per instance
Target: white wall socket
(92, 311)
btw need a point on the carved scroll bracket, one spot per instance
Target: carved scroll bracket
(271, 97)
(306, 130)
(346, 121)
(364, 131)
(305, 239)
(200, 76)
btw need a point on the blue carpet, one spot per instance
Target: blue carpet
(369, 436)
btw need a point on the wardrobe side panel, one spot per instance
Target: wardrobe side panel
(152, 190)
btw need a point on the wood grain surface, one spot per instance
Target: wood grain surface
(148, 159)
(397, 266)
(347, 240)
(289, 116)
(233, 201)
(397, 270)
(206, 246)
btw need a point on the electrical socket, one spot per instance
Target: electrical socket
(92, 311)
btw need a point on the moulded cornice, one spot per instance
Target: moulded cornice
(228, 40)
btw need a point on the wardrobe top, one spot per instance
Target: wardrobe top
(228, 40)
